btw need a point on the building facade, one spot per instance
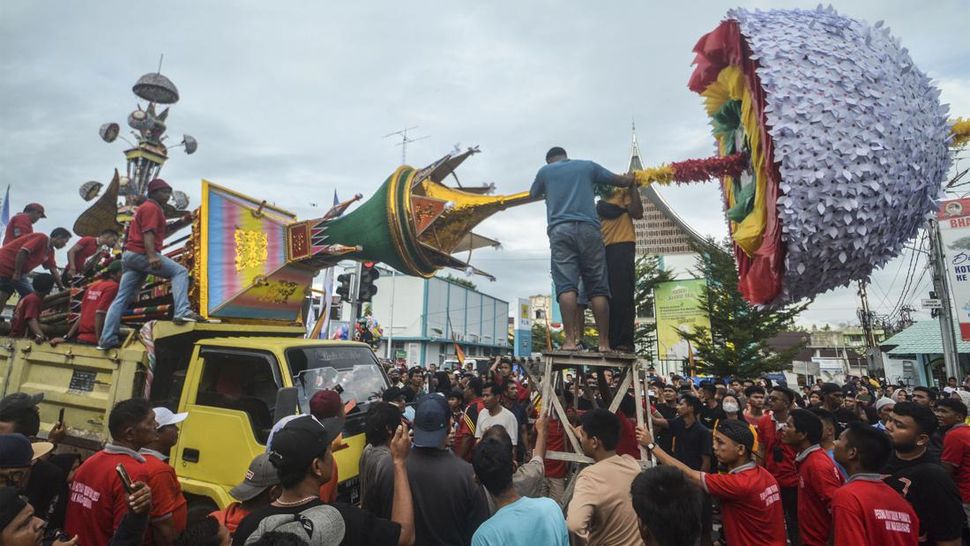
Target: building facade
(420, 318)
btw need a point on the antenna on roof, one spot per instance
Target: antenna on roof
(405, 140)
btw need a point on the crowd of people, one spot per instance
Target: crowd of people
(461, 457)
(112, 281)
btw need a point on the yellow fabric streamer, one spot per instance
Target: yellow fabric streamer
(961, 132)
(662, 175)
(730, 85)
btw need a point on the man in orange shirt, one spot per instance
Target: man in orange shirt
(143, 257)
(26, 315)
(169, 508)
(23, 223)
(84, 249)
(97, 299)
(259, 489)
(21, 256)
(616, 212)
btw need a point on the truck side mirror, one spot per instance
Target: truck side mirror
(286, 402)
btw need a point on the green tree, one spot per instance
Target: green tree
(737, 342)
(459, 281)
(648, 275)
(539, 337)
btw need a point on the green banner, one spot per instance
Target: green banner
(677, 305)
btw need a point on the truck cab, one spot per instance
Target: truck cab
(235, 389)
(234, 380)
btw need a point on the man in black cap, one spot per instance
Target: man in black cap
(833, 399)
(48, 482)
(750, 499)
(448, 504)
(302, 456)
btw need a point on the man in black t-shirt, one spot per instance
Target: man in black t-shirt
(667, 408)
(448, 504)
(692, 440)
(302, 456)
(711, 412)
(833, 399)
(917, 475)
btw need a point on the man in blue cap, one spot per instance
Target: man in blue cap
(448, 504)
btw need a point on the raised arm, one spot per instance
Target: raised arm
(645, 438)
(402, 509)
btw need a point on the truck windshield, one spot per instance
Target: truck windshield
(354, 369)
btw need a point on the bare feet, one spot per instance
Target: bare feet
(569, 348)
(604, 349)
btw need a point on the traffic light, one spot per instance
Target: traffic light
(368, 274)
(343, 290)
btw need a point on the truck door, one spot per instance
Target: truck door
(230, 401)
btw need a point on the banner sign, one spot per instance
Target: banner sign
(677, 305)
(954, 221)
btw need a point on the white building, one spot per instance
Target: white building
(421, 317)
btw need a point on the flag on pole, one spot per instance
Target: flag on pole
(5, 210)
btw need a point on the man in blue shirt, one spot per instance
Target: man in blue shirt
(575, 240)
(518, 520)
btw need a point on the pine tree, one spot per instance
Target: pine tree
(648, 275)
(737, 342)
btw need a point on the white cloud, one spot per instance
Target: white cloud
(290, 103)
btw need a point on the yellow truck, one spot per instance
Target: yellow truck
(235, 381)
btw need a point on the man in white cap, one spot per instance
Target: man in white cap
(884, 407)
(169, 507)
(143, 257)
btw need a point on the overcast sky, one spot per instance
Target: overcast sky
(290, 104)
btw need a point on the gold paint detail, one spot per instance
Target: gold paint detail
(252, 248)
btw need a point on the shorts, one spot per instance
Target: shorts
(578, 253)
(22, 287)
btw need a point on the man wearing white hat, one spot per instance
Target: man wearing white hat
(169, 507)
(884, 407)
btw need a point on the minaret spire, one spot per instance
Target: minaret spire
(635, 164)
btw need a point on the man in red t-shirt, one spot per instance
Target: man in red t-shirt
(750, 499)
(23, 223)
(779, 458)
(22, 255)
(83, 250)
(169, 507)
(818, 477)
(465, 436)
(97, 499)
(142, 257)
(97, 299)
(956, 446)
(866, 510)
(26, 315)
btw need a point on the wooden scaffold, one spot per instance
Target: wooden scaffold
(631, 370)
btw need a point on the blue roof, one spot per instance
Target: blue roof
(923, 337)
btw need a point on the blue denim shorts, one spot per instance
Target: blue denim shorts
(578, 253)
(22, 287)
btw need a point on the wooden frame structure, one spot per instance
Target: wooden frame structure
(631, 370)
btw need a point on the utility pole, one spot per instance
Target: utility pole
(942, 289)
(866, 318)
